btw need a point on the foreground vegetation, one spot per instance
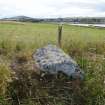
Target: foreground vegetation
(18, 41)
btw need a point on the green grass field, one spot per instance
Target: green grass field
(85, 45)
(40, 34)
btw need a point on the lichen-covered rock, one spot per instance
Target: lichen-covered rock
(52, 60)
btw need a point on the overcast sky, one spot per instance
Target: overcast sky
(52, 8)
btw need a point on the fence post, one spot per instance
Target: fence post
(60, 35)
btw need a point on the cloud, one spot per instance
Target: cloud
(52, 8)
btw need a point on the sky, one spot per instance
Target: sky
(52, 8)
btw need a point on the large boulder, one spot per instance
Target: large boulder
(51, 59)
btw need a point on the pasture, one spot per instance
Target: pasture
(86, 45)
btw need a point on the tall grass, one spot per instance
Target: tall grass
(85, 45)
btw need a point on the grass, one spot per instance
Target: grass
(86, 45)
(31, 34)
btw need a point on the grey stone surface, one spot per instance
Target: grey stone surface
(52, 59)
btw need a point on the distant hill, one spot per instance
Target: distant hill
(22, 19)
(75, 20)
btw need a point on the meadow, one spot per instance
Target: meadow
(84, 44)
